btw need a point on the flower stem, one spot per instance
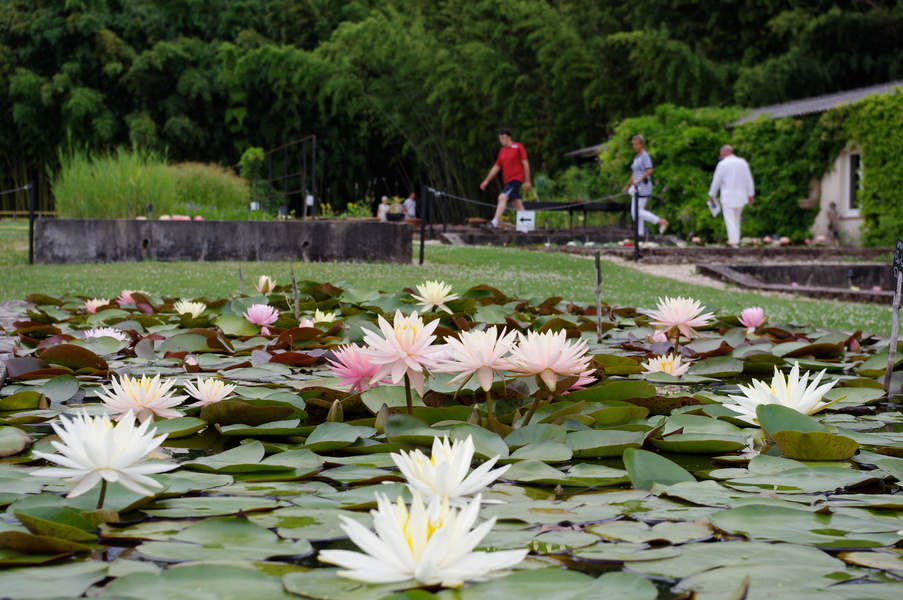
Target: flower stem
(533, 408)
(488, 405)
(103, 493)
(407, 394)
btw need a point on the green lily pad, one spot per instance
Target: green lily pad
(557, 584)
(179, 427)
(638, 532)
(25, 400)
(332, 436)
(13, 441)
(814, 445)
(57, 521)
(176, 508)
(27, 542)
(45, 581)
(224, 538)
(695, 443)
(325, 584)
(601, 443)
(223, 582)
(774, 417)
(647, 468)
(61, 388)
(783, 524)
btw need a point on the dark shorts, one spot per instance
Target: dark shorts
(512, 189)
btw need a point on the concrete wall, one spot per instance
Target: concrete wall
(68, 241)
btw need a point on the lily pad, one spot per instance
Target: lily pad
(814, 445)
(647, 468)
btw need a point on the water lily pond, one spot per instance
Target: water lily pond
(619, 481)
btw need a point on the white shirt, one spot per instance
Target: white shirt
(734, 179)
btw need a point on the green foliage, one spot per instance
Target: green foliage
(210, 191)
(875, 125)
(115, 185)
(785, 155)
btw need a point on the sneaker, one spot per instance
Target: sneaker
(663, 227)
(488, 227)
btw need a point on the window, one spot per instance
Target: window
(854, 184)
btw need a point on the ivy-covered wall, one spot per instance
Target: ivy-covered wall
(875, 124)
(784, 155)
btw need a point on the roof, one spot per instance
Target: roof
(821, 103)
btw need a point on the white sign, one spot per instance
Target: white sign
(309, 199)
(525, 220)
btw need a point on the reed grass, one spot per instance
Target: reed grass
(119, 185)
(123, 183)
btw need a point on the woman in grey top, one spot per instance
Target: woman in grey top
(640, 185)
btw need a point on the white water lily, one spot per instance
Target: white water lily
(672, 364)
(445, 473)
(92, 448)
(145, 397)
(93, 304)
(432, 544)
(195, 309)
(791, 391)
(265, 284)
(323, 317)
(434, 294)
(99, 332)
(207, 391)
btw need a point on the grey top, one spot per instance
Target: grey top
(642, 162)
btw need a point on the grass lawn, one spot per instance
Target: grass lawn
(516, 272)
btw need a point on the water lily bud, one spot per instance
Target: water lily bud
(381, 417)
(474, 417)
(336, 413)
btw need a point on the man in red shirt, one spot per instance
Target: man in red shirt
(515, 168)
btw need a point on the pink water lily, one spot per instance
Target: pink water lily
(353, 367)
(752, 318)
(93, 304)
(480, 353)
(126, 296)
(404, 348)
(680, 313)
(549, 356)
(261, 314)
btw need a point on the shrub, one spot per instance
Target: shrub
(210, 191)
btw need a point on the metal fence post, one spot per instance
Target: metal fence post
(32, 207)
(424, 190)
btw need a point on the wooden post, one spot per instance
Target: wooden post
(295, 293)
(895, 323)
(598, 296)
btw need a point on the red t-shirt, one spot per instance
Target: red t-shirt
(509, 161)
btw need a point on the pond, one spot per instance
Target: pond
(619, 481)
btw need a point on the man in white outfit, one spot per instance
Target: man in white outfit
(734, 180)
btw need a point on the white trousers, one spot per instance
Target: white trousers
(732, 221)
(645, 215)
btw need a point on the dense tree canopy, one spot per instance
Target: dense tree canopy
(404, 92)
